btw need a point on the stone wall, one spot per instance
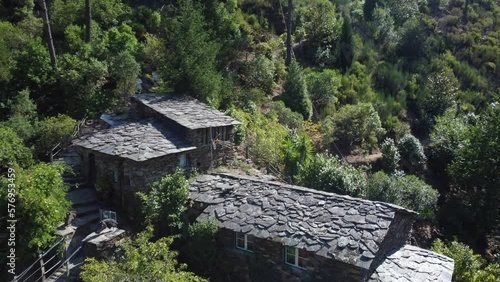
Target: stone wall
(266, 263)
(205, 155)
(126, 177)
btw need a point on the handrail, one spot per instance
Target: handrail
(75, 133)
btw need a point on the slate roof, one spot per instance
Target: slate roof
(413, 264)
(138, 140)
(345, 228)
(185, 110)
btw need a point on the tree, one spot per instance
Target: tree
(368, 8)
(289, 34)
(88, 21)
(48, 34)
(327, 173)
(474, 171)
(297, 151)
(346, 45)
(447, 135)
(41, 205)
(407, 191)
(142, 261)
(442, 93)
(166, 202)
(51, 131)
(259, 72)
(412, 153)
(22, 115)
(295, 94)
(469, 267)
(323, 28)
(354, 125)
(189, 55)
(390, 155)
(12, 150)
(323, 88)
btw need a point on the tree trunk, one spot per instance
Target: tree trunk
(289, 34)
(88, 19)
(48, 33)
(466, 10)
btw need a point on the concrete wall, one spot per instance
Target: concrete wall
(267, 264)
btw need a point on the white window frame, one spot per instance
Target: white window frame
(296, 256)
(246, 238)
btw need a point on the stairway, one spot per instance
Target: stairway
(85, 202)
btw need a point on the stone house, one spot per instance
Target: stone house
(276, 232)
(159, 133)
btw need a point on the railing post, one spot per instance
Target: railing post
(42, 267)
(67, 263)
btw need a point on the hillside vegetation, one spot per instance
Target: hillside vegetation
(389, 100)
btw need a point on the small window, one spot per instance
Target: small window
(183, 161)
(245, 242)
(115, 176)
(295, 257)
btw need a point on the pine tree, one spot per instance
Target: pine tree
(295, 94)
(346, 52)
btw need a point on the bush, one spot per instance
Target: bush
(202, 248)
(167, 201)
(259, 73)
(327, 173)
(12, 150)
(295, 94)
(390, 155)
(412, 153)
(407, 191)
(469, 267)
(141, 260)
(323, 90)
(287, 117)
(53, 130)
(354, 125)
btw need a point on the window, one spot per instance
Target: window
(295, 257)
(115, 176)
(244, 242)
(183, 163)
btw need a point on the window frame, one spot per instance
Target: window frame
(183, 160)
(246, 238)
(299, 261)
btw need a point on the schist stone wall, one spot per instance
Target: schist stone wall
(206, 155)
(127, 177)
(266, 263)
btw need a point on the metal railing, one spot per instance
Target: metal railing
(62, 144)
(54, 263)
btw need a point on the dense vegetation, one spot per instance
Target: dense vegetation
(383, 99)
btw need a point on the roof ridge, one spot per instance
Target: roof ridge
(310, 190)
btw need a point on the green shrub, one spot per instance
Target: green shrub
(407, 191)
(328, 173)
(202, 248)
(354, 125)
(469, 267)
